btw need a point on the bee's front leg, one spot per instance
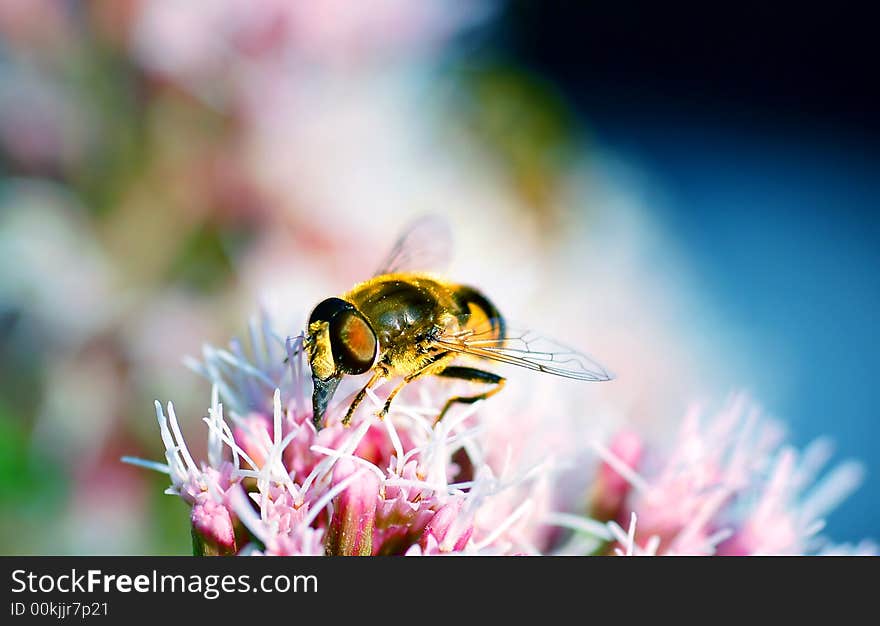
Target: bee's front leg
(378, 374)
(432, 367)
(472, 375)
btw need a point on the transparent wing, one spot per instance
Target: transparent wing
(527, 349)
(424, 246)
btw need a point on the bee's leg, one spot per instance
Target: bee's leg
(377, 375)
(403, 383)
(473, 375)
(427, 369)
(288, 345)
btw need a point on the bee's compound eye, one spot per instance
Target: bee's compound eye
(328, 309)
(354, 342)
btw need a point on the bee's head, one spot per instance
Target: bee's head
(340, 341)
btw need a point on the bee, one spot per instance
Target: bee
(408, 323)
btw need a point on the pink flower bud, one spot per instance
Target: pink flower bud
(447, 531)
(212, 529)
(254, 435)
(354, 511)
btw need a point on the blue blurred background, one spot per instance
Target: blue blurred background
(693, 190)
(784, 238)
(759, 123)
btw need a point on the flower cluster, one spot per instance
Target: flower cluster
(402, 485)
(725, 486)
(273, 484)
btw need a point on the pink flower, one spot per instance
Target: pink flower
(472, 484)
(274, 485)
(723, 487)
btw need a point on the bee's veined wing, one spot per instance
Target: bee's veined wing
(526, 348)
(424, 246)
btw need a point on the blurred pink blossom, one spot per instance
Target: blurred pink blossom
(195, 43)
(725, 486)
